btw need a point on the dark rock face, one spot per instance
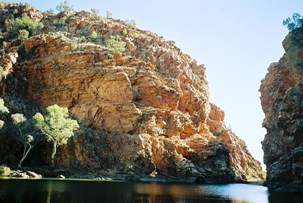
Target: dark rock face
(143, 111)
(281, 98)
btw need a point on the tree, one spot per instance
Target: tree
(93, 37)
(295, 22)
(23, 35)
(95, 11)
(115, 44)
(3, 109)
(56, 126)
(131, 23)
(28, 135)
(109, 14)
(64, 6)
(13, 26)
(50, 11)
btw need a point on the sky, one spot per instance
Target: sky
(235, 39)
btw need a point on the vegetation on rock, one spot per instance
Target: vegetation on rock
(13, 26)
(23, 35)
(294, 22)
(64, 6)
(28, 135)
(3, 109)
(281, 100)
(115, 44)
(56, 126)
(143, 103)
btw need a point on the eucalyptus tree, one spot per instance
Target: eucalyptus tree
(56, 126)
(28, 134)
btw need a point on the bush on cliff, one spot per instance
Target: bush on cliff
(115, 44)
(23, 35)
(13, 26)
(56, 126)
(28, 135)
(296, 21)
(93, 37)
(3, 109)
(64, 7)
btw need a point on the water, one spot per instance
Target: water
(59, 191)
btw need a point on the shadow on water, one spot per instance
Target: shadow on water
(97, 191)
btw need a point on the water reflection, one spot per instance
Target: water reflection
(97, 191)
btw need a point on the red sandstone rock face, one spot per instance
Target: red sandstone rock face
(143, 111)
(281, 99)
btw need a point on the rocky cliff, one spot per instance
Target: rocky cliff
(143, 111)
(281, 98)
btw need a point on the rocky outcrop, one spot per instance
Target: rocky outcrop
(143, 111)
(281, 99)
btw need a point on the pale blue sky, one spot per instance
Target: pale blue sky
(235, 39)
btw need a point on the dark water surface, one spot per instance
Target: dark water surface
(58, 191)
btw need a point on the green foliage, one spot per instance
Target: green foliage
(24, 23)
(27, 7)
(3, 73)
(109, 14)
(50, 11)
(23, 35)
(1, 124)
(93, 37)
(4, 171)
(56, 126)
(3, 108)
(64, 6)
(43, 38)
(95, 11)
(18, 118)
(124, 32)
(60, 24)
(74, 45)
(28, 134)
(115, 44)
(296, 21)
(131, 23)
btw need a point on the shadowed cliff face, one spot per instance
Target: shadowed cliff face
(144, 111)
(281, 98)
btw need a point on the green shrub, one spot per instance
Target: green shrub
(27, 6)
(115, 44)
(3, 74)
(64, 6)
(4, 171)
(93, 37)
(3, 109)
(95, 11)
(296, 21)
(13, 26)
(74, 45)
(50, 12)
(23, 35)
(131, 23)
(60, 24)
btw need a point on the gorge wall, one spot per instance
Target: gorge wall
(281, 98)
(143, 111)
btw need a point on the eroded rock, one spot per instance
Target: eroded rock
(144, 111)
(281, 99)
